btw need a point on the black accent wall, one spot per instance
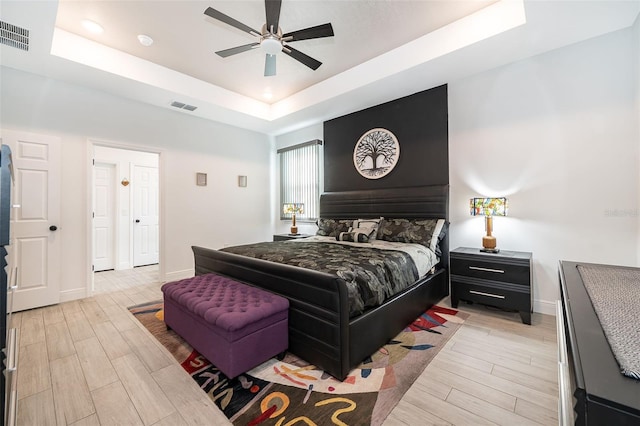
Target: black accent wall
(419, 121)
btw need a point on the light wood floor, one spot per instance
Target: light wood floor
(109, 281)
(89, 362)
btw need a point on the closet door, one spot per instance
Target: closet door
(35, 237)
(145, 212)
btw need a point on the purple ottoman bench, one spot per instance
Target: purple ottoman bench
(233, 325)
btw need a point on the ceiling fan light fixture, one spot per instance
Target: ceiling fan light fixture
(271, 46)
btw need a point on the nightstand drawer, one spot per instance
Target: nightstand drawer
(494, 270)
(496, 294)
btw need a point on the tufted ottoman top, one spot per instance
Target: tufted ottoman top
(227, 304)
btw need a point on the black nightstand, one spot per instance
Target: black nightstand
(285, 237)
(499, 279)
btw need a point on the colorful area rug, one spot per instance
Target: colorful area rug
(289, 390)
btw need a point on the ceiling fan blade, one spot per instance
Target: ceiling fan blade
(301, 57)
(270, 65)
(215, 14)
(272, 9)
(238, 49)
(319, 31)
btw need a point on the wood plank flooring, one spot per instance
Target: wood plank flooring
(89, 362)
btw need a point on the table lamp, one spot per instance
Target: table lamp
(292, 209)
(488, 207)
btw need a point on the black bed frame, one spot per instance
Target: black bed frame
(320, 330)
(603, 395)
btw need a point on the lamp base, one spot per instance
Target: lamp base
(488, 242)
(490, 250)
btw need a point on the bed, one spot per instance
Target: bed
(593, 391)
(321, 328)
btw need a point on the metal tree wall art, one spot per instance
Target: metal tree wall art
(376, 153)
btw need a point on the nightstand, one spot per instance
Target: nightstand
(499, 279)
(285, 237)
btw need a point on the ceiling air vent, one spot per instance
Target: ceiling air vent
(14, 36)
(183, 106)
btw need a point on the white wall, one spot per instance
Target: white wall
(212, 216)
(289, 139)
(558, 135)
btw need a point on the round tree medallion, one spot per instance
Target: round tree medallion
(376, 153)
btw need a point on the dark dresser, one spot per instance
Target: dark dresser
(8, 334)
(498, 279)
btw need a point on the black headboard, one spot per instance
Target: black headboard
(431, 201)
(427, 202)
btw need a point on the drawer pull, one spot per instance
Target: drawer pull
(497, 296)
(477, 268)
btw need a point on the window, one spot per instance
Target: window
(300, 178)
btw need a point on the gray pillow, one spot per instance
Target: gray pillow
(333, 227)
(418, 231)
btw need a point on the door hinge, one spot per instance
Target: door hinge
(94, 161)
(93, 215)
(93, 268)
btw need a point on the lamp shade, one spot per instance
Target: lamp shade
(292, 208)
(488, 206)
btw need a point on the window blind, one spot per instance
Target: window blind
(300, 178)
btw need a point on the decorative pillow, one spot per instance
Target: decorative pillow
(353, 236)
(441, 231)
(368, 226)
(333, 227)
(418, 231)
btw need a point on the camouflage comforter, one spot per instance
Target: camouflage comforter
(371, 275)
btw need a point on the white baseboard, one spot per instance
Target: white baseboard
(178, 275)
(75, 294)
(547, 307)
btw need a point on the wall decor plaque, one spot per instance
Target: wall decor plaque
(376, 153)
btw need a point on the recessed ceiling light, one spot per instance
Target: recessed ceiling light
(267, 95)
(145, 40)
(92, 27)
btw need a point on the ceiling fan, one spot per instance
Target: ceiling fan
(271, 38)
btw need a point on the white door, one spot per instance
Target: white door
(104, 216)
(35, 225)
(145, 215)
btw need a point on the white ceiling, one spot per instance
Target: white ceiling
(382, 50)
(185, 39)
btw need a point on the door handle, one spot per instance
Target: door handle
(53, 228)
(137, 220)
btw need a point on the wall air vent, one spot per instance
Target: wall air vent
(183, 106)
(14, 36)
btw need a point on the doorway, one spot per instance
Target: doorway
(126, 218)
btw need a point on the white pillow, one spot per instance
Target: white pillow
(436, 233)
(367, 226)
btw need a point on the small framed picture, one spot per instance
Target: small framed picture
(201, 179)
